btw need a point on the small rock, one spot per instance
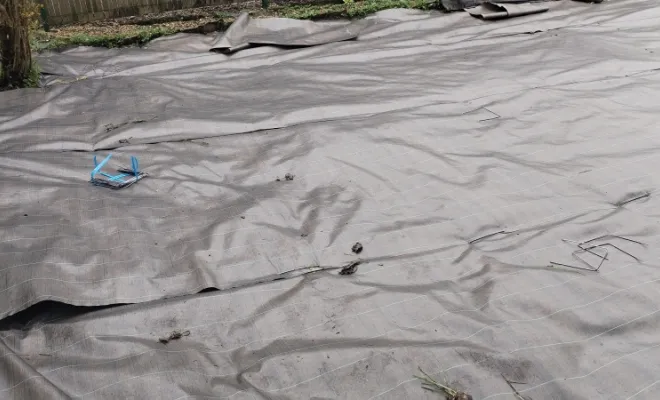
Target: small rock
(175, 335)
(357, 248)
(349, 268)
(289, 177)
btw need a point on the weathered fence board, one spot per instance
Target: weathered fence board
(67, 11)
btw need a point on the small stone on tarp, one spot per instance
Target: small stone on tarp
(357, 248)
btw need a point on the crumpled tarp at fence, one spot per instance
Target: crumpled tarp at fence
(459, 5)
(246, 31)
(490, 10)
(469, 159)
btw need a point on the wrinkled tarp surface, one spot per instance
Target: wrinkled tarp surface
(421, 140)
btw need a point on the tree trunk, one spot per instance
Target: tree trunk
(15, 55)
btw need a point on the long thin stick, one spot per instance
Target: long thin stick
(515, 391)
(572, 266)
(486, 236)
(641, 196)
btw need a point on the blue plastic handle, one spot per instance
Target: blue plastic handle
(100, 165)
(134, 162)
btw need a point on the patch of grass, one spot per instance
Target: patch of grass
(349, 9)
(222, 15)
(137, 36)
(32, 80)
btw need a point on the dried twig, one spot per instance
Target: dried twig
(515, 391)
(486, 236)
(641, 196)
(571, 266)
(432, 385)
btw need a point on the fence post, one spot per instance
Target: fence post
(43, 13)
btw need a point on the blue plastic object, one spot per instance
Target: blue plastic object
(125, 178)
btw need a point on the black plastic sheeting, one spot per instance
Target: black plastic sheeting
(469, 158)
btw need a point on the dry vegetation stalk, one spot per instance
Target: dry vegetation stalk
(432, 385)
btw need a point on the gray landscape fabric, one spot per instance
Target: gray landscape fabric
(487, 169)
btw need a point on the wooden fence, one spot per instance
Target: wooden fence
(59, 12)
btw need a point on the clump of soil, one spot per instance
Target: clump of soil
(349, 268)
(175, 335)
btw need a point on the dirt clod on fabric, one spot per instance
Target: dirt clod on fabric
(357, 248)
(111, 127)
(349, 268)
(175, 335)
